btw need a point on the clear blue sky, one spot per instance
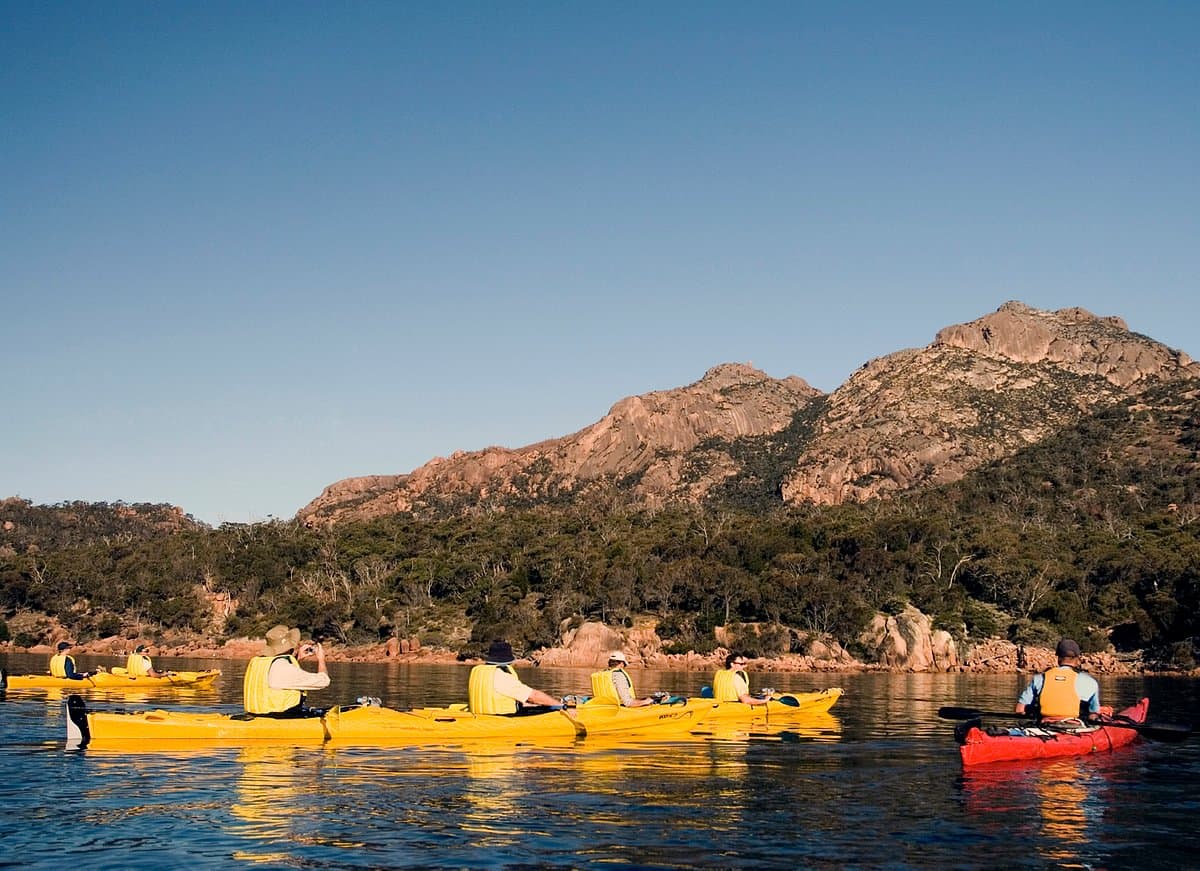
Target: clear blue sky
(249, 249)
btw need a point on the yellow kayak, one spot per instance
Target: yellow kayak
(110, 681)
(157, 728)
(781, 705)
(376, 725)
(371, 725)
(355, 725)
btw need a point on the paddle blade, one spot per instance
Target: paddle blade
(959, 713)
(790, 701)
(78, 733)
(1173, 732)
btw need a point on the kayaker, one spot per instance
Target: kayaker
(62, 664)
(275, 684)
(731, 683)
(1064, 692)
(614, 686)
(494, 687)
(138, 664)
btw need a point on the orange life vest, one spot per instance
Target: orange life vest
(1058, 699)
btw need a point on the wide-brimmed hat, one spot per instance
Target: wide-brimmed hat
(500, 653)
(617, 656)
(280, 639)
(1067, 649)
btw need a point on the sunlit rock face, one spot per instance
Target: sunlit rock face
(664, 445)
(979, 392)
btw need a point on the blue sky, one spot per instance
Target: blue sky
(249, 249)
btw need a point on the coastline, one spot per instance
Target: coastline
(992, 657)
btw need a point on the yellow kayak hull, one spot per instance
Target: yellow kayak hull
(108, 681)
(375, 725)
(371, 725)
(159, 727)
(781, 706)
(598, 718)
(350, 726)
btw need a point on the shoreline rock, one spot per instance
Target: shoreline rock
(993, 656)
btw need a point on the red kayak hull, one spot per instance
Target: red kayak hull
(978, 747)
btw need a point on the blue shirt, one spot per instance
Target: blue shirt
(1085, 687)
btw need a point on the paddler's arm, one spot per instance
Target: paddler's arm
(285, 676)
(537, 697)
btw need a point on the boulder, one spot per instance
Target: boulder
(907, 642)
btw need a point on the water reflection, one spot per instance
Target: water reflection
(876, 784)
(1062, 803)
(820, 727)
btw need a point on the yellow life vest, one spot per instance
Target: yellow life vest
(58, 664)
(729, 685)
(137, 665)
(257, 695)
(482, 697)
(1059, 698)
(603, 688)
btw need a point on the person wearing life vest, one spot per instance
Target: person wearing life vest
(613, 685)
(494, 688)
(139, 664)
(1063, 692)
(731, 683)
(275, 684)
(62, 664)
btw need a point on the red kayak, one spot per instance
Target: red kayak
(979, 744)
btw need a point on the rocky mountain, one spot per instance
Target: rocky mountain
(979, 392)
(671, 444)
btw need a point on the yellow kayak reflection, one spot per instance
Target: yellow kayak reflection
(819, 726)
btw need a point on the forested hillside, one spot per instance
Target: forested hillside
(1094, 532)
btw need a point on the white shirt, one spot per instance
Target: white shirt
(285, 676)
(510, 685)
(623, 687)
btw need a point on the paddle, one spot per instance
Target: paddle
(78, 733)
(3, 679)
(1156, 731)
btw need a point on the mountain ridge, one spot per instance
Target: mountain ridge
(917, 417)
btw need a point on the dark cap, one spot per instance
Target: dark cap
(500, 652)
(64, 645)
(141, 648)
(1067, 649)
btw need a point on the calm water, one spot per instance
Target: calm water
(879, 786)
